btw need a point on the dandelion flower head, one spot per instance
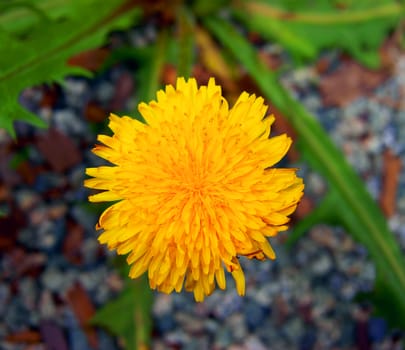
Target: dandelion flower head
(194, 187)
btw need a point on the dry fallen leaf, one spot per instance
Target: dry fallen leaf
(392, 169)
(84, 310)
(91, 59)
(59, 150)
(348, 82)
(24, 336)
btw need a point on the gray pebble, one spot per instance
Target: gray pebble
(322, 265)
(236, 324)
(28, 292)
(55, 280)
(69, 122)
(4, 298)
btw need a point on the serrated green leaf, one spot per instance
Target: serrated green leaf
(305, 29)
(41, 56)
(356, 209)
(18, 17)
(129, 315)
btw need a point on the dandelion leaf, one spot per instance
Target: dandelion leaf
(305, 28)
(128, 316)
(41, 54)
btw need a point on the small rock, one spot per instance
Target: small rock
(177, 338)
(68, 122)
(27, 199)
(77, 339)
(230, 304)
(223, 338)
(28, 291)
(292, 328)
(165, 323)
(255, 314)
(307, 340)
(322, 265)
(49, 235)
(254, 343)
(76, 90)
(16, 315)
(189, 323)
(53, 279)
(104, 91)
(47, 308)
(236, 324)
(377, 329)
(4, 298)
(163, 304)
(90, 251)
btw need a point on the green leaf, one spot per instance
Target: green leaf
(18, 17)
(306, 29)
(186, 43)
(355, 209)
(41, 56)
(204, 7)
(18, 158)
(150, 71)
(129, 315)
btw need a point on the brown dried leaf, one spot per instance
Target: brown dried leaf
(73, 242)
(84, 310)
(348, 82)
(273, 61)
(32, 264)
(94, 112)
(392, 169)
(169, 74)
(10, 226)
(305, 206)
(91, 60)
(27, 172)
(25, 336)
(59, 150)
(124, 89)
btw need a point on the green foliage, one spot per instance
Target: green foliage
(186, 43)
(35, 52)
(305, 28)
(129, 316)
(39, 36)
(348, 201)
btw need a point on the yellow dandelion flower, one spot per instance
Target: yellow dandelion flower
(194, 186)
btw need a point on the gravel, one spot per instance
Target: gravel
(303, 300)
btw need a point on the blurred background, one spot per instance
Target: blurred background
(332, 72)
